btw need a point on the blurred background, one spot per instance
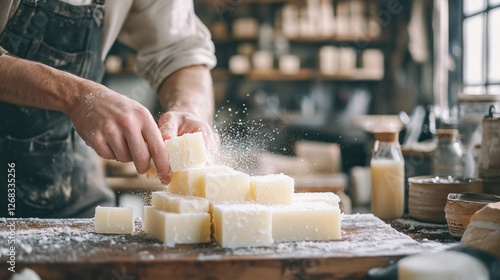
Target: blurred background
(301, 84)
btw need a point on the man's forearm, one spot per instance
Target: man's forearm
(189, 90)
(28, 83)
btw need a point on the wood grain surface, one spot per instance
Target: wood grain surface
(70, 249)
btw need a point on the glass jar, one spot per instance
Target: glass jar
(449, 157)
(387, 172)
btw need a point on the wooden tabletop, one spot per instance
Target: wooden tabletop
(70, 249)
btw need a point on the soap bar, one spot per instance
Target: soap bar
(191, 181)
(228, 185)
(114, 220)
(176, 228)
(242, 225)
(306, 221)
(272, 189)
(179, 203)
(442, 265)
(327, 197)
(187, 150)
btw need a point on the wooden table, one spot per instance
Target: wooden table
(69, 249)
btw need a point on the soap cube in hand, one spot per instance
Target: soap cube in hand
(175, 203)
(242, 225)
(187, 150)
(190, 181)
(306, 221)
(272, 189)
(175, 228)
(114, 220)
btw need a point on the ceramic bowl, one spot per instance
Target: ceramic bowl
(461, 206)
(428, 195)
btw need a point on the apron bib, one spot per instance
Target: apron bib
(57, 175)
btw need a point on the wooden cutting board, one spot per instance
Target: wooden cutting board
(69, 249)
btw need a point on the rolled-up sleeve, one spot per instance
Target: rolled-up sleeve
(168, 36)
(2, 51)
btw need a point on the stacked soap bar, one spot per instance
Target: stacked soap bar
(238, 210)
(306, 221)
(177, 219)
(242, 225)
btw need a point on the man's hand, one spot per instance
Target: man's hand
(117, 127)
(188, 100)
(174, 123)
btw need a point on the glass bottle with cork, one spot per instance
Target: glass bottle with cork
(449, 157)
(387, 171)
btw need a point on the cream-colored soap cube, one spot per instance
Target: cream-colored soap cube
(272, 189)
(191, 181)
(306, 221)
(114, 220)
(187, 150)
(228, 185)
(177, 228)
(327, 197)
(242, 225)
(179, 203)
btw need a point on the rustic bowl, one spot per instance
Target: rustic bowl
(461, 206)
(428, 195)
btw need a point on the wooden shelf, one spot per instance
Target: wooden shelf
(302, 75)
(360, 38)
(309, 40)
(231, 2)
(349, 77)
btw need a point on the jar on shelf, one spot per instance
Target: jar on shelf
(449, 157)
(387, 171)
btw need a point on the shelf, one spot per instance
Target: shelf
(309, 40)
(359, 38)
(302, 75)
(360, 76)
(232, 2)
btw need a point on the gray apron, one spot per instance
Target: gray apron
(56, 174)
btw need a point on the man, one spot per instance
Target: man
(51, 54)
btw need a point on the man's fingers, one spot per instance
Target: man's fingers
(158, 152)
(120, 148)
(105, 151)
(113, 136)
(139, 152)
(96, 141)
(169, 127)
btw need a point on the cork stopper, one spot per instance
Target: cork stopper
(449, 133)
(386, 136)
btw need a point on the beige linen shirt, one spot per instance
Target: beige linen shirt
(166, 34)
